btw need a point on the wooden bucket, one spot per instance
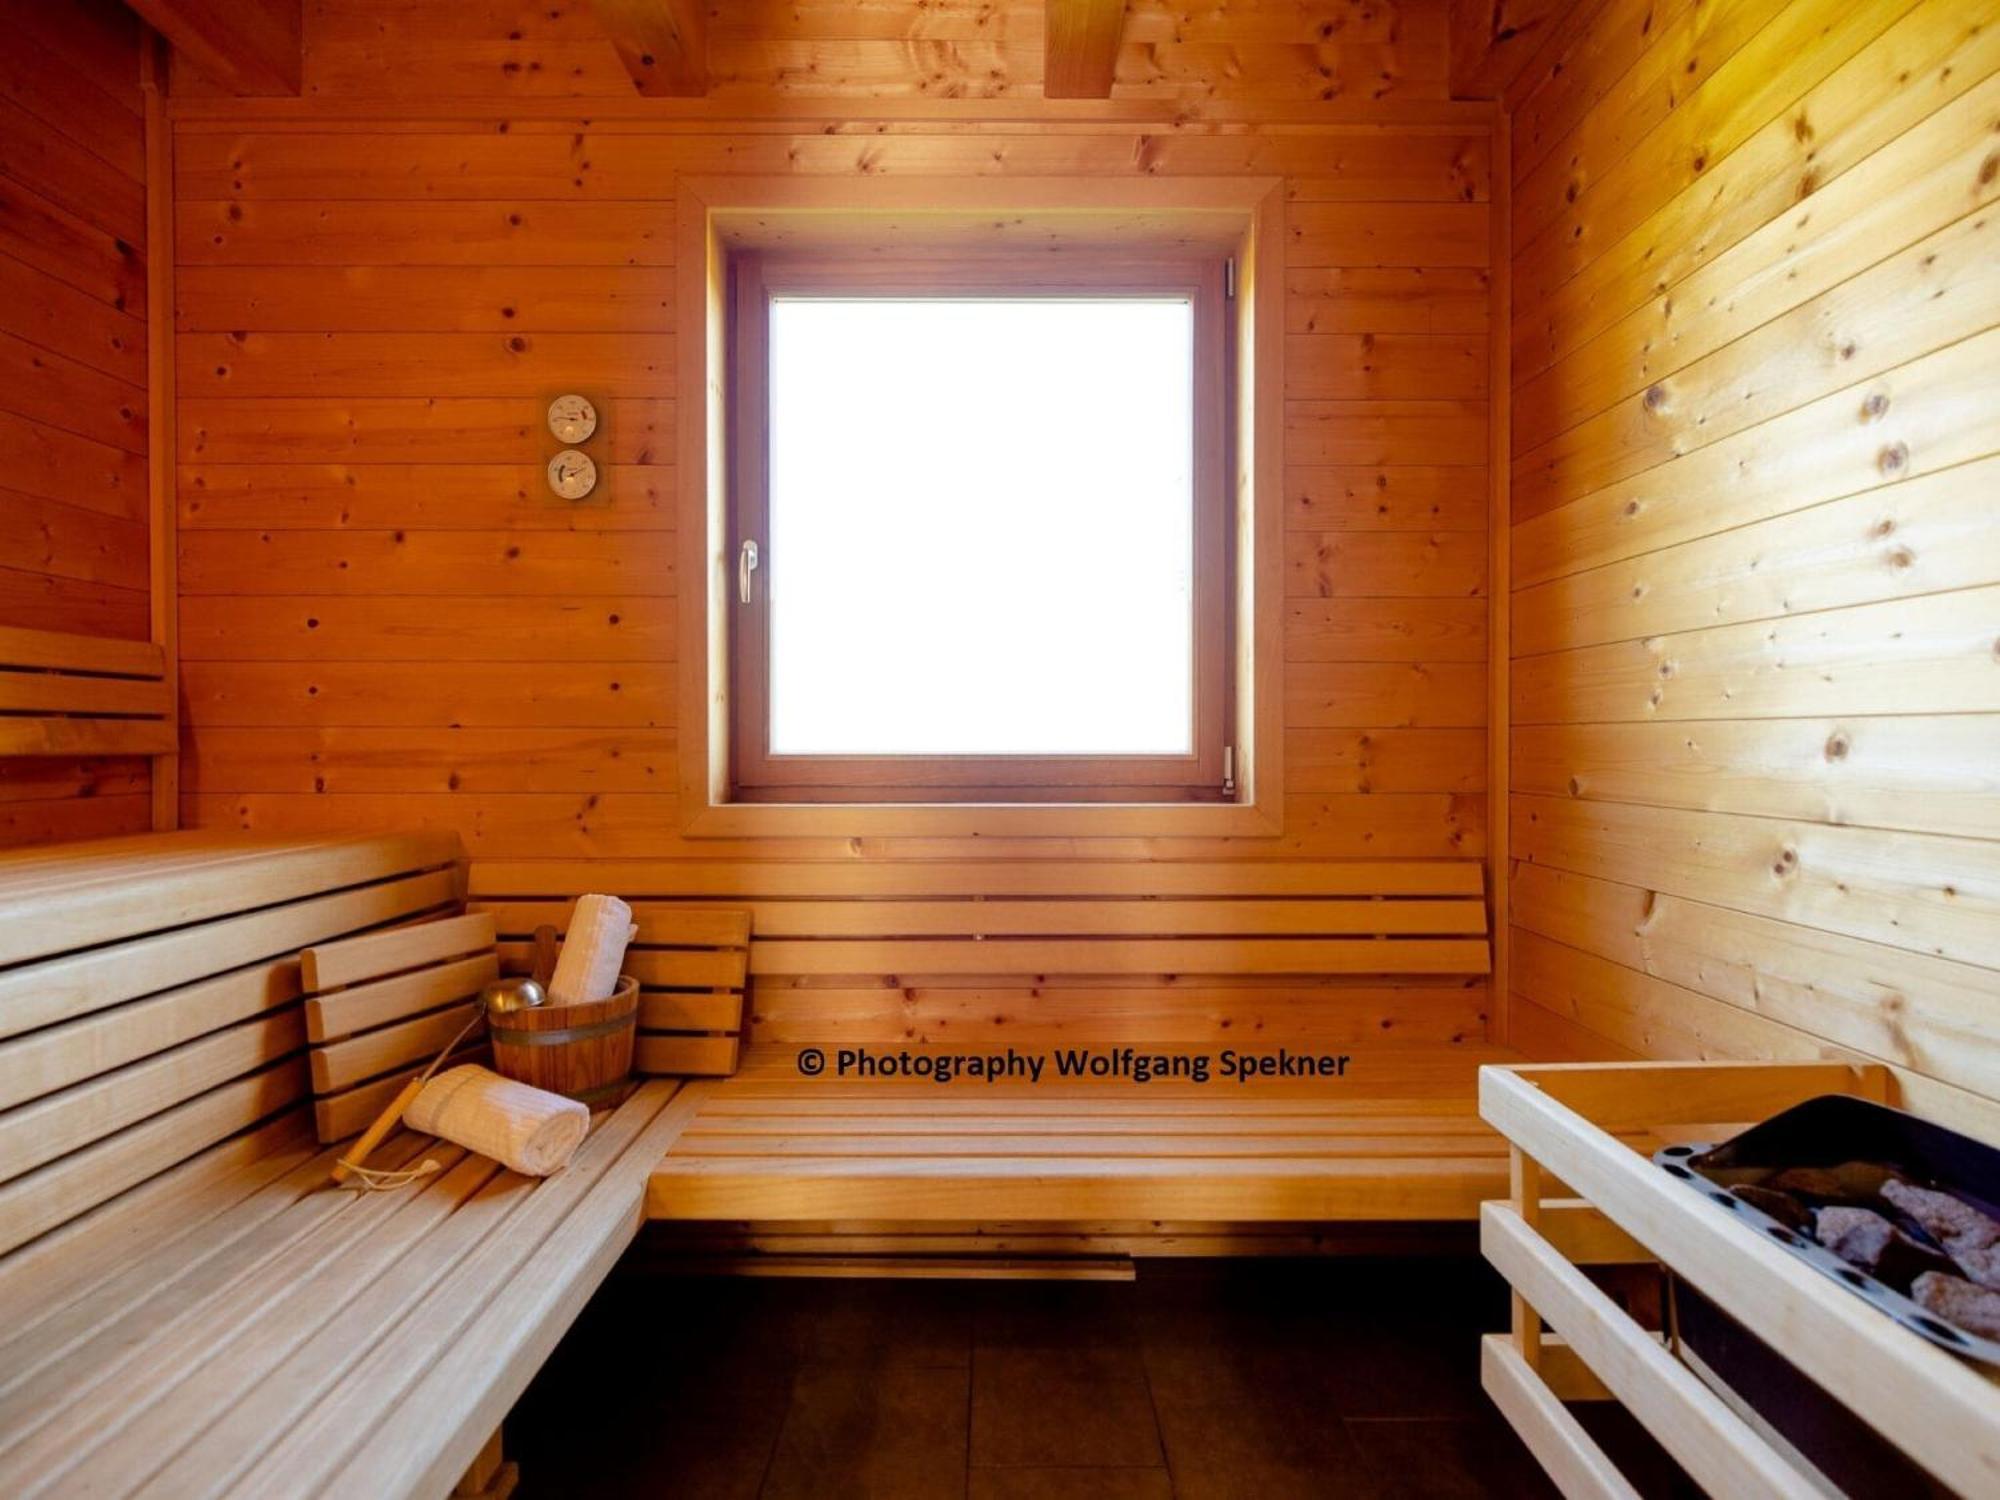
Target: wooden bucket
(583, 1051)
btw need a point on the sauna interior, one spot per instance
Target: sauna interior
(1225, 649)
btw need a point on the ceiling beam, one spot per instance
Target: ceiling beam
(1080, 47)
(249, 47)
(664, 43)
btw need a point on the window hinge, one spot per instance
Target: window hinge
(1228, 770)
(1229, 277)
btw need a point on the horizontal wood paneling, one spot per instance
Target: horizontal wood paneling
(761, 57)
(1754, 805)
(73, 496)
(386, 620)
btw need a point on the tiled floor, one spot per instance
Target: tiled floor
(1325, 1378)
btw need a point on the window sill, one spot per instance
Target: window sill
(983, 820)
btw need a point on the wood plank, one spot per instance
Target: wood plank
(1927, 655)
(54, 990)
(362, 695)
(663, 43)
(998, 877)
(440, 1408)
(1002, 918)
(1395, 1188)
(1915, 420)
(326, 966)
(1080, 41)
(366, 1006)
(247, 46)
(468, 759)
(656, 1055)
(1367, 564)
(1916, 773)
(60, 651)
(105, 1105)
(1714, 1444)
(38, 1202)
(344, 1064)
(1157, 956)
(1913, 891)
(1918, 1012)
(449, 563)
(85, 905)
(1920, 537)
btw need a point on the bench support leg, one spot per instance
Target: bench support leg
(491, 1476)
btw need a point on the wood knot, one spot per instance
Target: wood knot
(1837, 746)
(1893, 459)
(1875, 407)
(1786, 862)
(1656, 397)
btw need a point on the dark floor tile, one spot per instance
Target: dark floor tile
(1467, 1460)
(920, 1323)
(1413, 1372)
(1271, 1449)
(1062, 1407)
(1054, 1314)
(1070, 1484)
(873, 1433)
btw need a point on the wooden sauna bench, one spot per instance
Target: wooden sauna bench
(1400, 1139)
(1397, 1138)
(186, 1306)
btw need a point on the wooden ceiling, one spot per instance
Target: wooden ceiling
(1300, 48)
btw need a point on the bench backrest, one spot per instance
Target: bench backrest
(942, 934)
(381, 1006)
(150, 996)
(63, 694)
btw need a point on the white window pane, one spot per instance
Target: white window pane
(981, 527)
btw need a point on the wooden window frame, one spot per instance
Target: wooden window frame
(720, 218)
(757, 279)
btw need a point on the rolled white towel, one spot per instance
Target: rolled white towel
(525, 1128)
(593, 952)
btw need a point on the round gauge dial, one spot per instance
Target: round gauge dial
(572, 418)
(572, 475)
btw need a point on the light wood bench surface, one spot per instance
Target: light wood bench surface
(186, 1306)
(1398, 1139)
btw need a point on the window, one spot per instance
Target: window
(980, 530)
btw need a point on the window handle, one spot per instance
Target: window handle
(746, 564)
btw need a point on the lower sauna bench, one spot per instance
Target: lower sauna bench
(1399, 1139)
(1585, 1198)
(186, 1307)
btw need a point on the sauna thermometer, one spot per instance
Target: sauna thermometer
(572, 474)
(572, 419)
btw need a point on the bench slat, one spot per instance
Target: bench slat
(321, 1231)
(68, 1121)
(1140, 956)
(496, 880)
(66, 651)
(42, 994)
(86, 900)
(421, 1400)
(326, 966)
(46, 1197)
(168, 1420)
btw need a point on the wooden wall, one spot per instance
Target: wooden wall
(73, 496)
(1756, 610)
(387, 622)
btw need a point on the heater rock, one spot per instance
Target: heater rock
(1973, 1308)
(1783, 1207)
(1969, 1237)
(1849, 1182)
(1864, 1238)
